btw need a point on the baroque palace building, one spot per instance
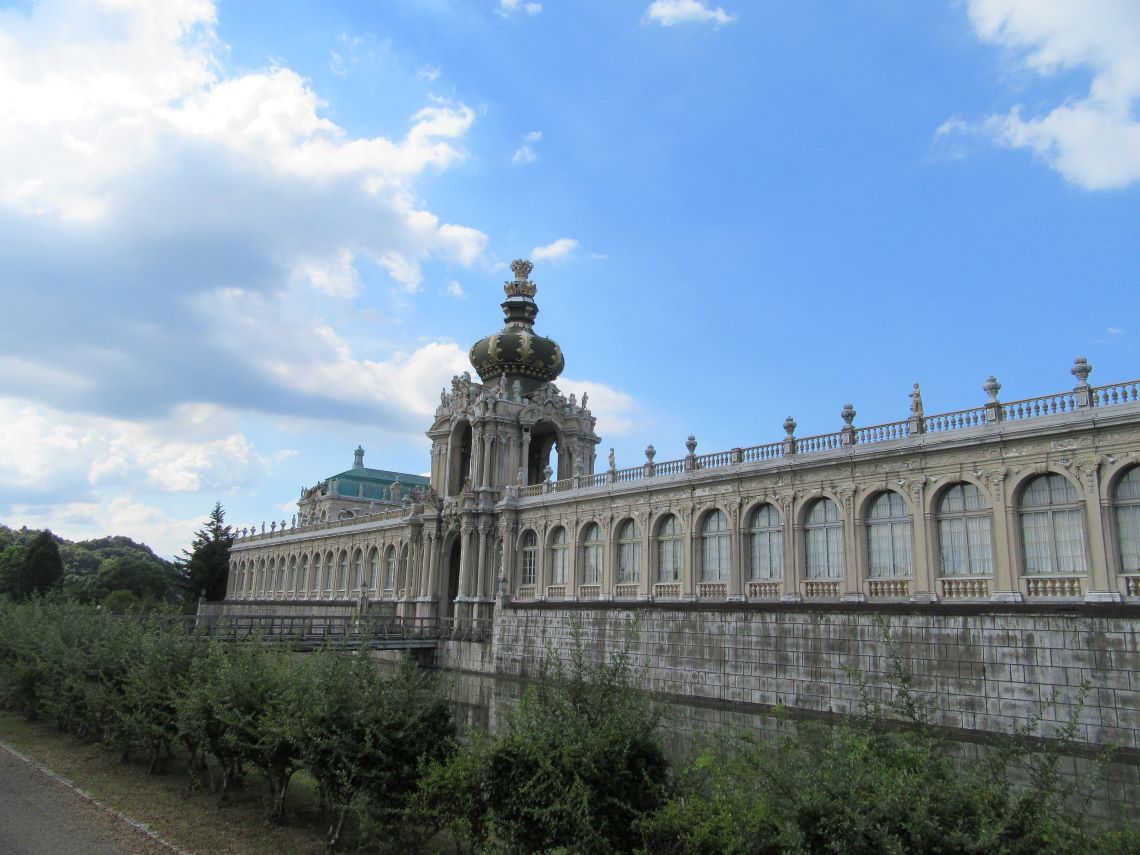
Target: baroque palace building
(1034, 499)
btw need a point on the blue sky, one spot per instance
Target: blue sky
(235, 241)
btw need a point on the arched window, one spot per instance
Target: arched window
(303, 576)
(1052, 536)
(558, 557)
(629, 553)
(357, 570)
(592, 555)
(390, 568)
(529, 558)
(291, 587)
(270, 579)
(329, 572)
(714, 547)
(374, 569)
(342, 572)
(1127, 499)
(965, 532)
(669, 558)
(823, 533)
(766, 539)
(888, 537)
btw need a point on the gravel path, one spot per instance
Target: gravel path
(41, 815)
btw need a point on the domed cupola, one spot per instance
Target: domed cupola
(515, 350)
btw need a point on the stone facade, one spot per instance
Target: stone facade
(1016, 507)
(983, 668)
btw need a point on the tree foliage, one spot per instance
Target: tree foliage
(43, 567)
(205, 565)
(578, 762)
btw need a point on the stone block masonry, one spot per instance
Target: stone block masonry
(980, 668)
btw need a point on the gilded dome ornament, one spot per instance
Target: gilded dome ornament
(516, 351)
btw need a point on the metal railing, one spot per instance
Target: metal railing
(308, 632)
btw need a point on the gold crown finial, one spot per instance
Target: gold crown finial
(521, 286)
(522, 269)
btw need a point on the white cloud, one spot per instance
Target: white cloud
(669, 13)
(307, 359)
(614, 410)
(1094, 140)
(525, 153)
(559, 250)
(47, 451)
(165, 534)
(340, 60)
(454, 289)
(336, 277)
(430, 73)
(509, 7)
(125, 140)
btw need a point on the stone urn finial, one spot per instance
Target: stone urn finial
(650, 452)
(547, 473)
(848, 414)
(790, 426)
(1081, 370)
(992, 387)
(691, 444)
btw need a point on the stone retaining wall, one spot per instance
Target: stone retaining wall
(980, 668)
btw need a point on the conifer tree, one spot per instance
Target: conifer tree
(206, 564)
(43, 567)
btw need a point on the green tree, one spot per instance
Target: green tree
(205, 565)
(12, 561)
(578, 763)
(43, 568)
(147, 580)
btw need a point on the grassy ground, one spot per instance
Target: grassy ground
(193, 821)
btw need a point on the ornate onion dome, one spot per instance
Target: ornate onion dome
(515, 350)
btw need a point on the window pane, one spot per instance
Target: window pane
(1129, 486)
(979, 537)
(1070, 541)
(1128, 532)
(1037, 541)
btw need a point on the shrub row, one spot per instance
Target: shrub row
(578, 766)
(141, 687)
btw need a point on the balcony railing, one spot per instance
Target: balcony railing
(1081, 398)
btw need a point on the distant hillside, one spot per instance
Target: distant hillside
(83, 557)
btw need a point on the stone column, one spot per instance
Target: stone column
(524, 462)
(1100, 589)
(477, 442)
(488, 446)
(477, 580)
(933, 567)
(690, 572)
(854, 549)
(921, 569)
(1007, 560)
(465, 549)
(793, 553)
(573, 561)
(738, 573)
(648, 571)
